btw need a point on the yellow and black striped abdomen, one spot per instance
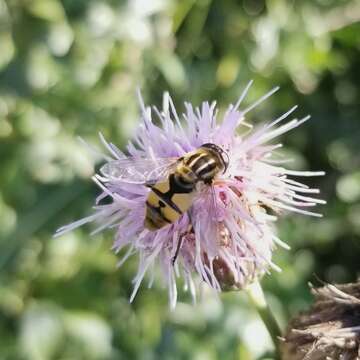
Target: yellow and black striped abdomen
(166, 202)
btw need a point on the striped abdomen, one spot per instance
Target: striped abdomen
(166, 202)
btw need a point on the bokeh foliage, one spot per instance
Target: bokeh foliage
(71, 68)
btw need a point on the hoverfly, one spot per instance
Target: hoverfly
(172, 181)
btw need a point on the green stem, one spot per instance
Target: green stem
(257, 299)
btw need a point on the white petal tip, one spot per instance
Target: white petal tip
(318, 215)
(132, 297)
(138, 91)
(275, 267)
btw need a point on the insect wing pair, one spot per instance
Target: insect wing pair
(139, 170)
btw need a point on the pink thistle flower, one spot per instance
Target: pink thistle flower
(227, 236)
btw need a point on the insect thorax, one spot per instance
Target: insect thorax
(200, 165)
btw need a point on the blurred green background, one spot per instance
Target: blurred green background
(70, 68)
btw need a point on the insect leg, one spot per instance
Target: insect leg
(177, 249)
(178, 246)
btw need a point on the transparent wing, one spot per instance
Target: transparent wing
(139, 171)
